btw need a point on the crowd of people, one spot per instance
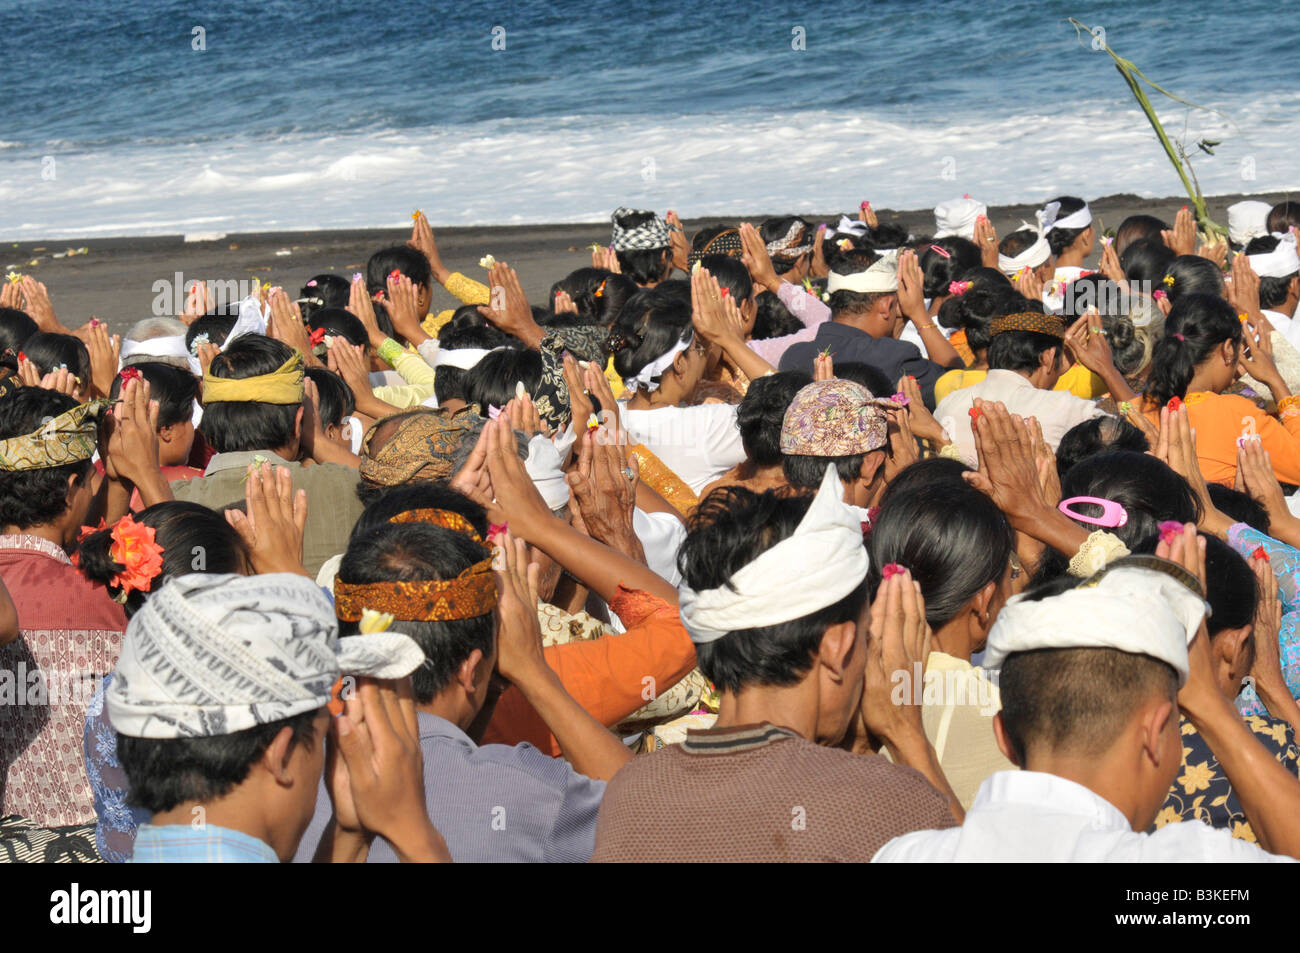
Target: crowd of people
(779, 542)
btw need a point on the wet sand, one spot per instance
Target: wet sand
(116, 280)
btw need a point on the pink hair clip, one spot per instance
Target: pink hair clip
(958, 288)
(1113, 515)
(941, 251)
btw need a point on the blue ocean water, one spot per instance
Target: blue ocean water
(153, 117)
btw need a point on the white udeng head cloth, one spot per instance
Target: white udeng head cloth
(1247, 220)
(957, 217)
(1281, 262)
(880, 277)
(1033, 256)
(819, 564)
(1133, 609)
(1048, 220)
(214, 654)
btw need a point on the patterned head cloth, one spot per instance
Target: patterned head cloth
(787, 247)
(1050, 324)
(471, 594)
(215, 654)
(428, 445)
(647, 236)
(724, 243)
(585, 343)
(282, 386)
(68, 438)
(835, 418)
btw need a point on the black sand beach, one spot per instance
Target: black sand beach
(115, 279)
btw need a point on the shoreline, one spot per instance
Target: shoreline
(116, 280)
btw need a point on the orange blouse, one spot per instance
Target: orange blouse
(1221, 419)
(610, 677)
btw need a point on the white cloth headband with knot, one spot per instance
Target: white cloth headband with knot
(1047, 218)
(213, 654)
(1033, 256)
(882, 276)
(1281, 262)
(819, 564)
(647, 376)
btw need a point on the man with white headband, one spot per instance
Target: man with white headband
(1066, 222)
(1274, 259)
(220, 703)
(866, 302)
(1247, 221)
(1092, 674)
(774, 598)
(1026, 247)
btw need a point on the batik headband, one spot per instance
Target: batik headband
(1049, 324)
(444, 518)
(281, 386)
(68, 438)
(471, 594)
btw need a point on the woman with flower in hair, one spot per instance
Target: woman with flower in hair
(1201, 354)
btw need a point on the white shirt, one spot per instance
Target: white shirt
(1056, 410)
(698, 443)
(1065, 275)
(1029, 816)
(1288, 327)
(913, 336)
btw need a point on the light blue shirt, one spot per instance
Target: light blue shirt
(183, 844)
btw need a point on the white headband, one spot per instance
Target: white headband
(849, 226)
(1136, 610)
(1033, 256)
(1247, 220)
(646, 376)
(463, 357)
(957, 217)
(1281, 262)
(819, 564)
(880, 277)
(1047, 219)
(545, 466)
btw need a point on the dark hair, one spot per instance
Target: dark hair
(951, 537)
(1197, 325)
(472, 332)
(231, 426)
(338, 321)
(1272, 291)
(1231, 588)
(808, 472)
(774, 229)
(35, 497)
(731, 274)
(1021, 350)
(323, 291)
(762, 411)
(1135, 228)
(449, 384)
(887, 235)
(642, 265)
(1239, 507)
(15, 328)
(1018, 242)
(215, 326)
(1059, 239)
(492, 380)
(729, 529)
(175, 390)
(651, 323)
(593, 308)
(939, 271)
(975, 310)
(868, 375)
(772, 319)
(408, 552)
(337, 401)
(164, 772)
(1149, 490)
(1192, 274)
(391, 501)
(193, 539)
(1145, 262)
(1077, 700)
(1098, 435)
(47, 350)
(401, 258)
(1283, 215)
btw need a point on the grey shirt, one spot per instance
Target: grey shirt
(492, 803)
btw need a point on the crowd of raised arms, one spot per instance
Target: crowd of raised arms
(780, 542)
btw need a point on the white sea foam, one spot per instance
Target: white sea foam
(579, 168)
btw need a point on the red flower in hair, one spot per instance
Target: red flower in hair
(1175, 403)
(130, 374)
(87, 530)
(135, 549)
(22, 356)
(890, 569)
(394, 275)
(317, 337)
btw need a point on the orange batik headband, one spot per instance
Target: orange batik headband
(471, 594)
